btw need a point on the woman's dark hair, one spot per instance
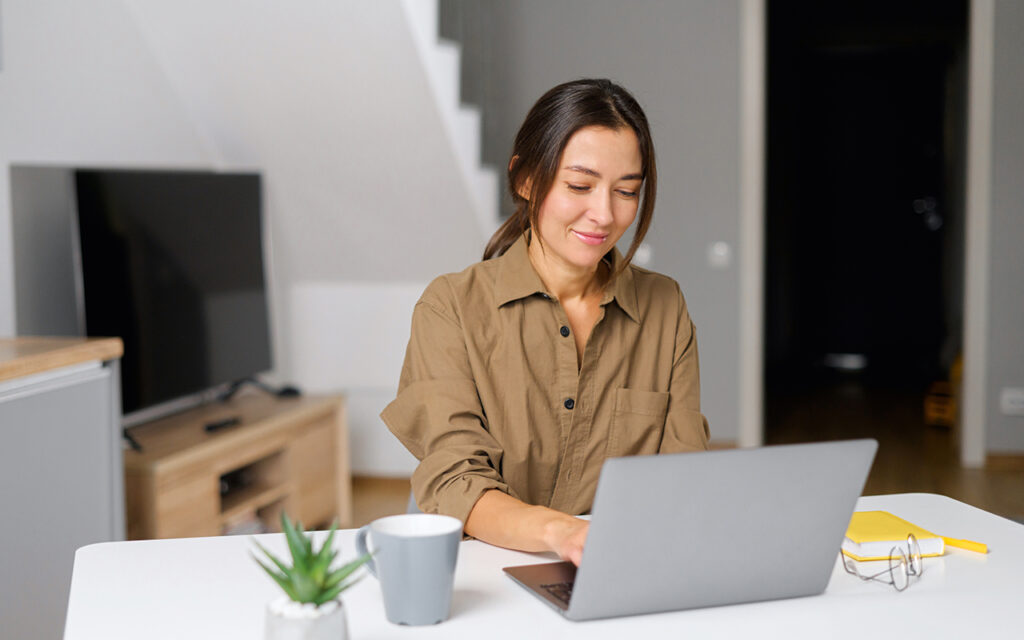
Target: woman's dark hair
(538, 148)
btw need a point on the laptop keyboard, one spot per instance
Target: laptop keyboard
(562, 591)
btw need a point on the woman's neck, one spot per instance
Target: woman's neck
(565, 281)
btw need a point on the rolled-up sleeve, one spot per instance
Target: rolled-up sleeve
(686, 428)
(438, 416)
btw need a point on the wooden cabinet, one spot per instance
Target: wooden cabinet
(289, 454)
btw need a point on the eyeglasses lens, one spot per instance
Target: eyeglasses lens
(899, 569)
(916, 565)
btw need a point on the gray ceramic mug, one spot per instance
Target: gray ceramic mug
(414, 559)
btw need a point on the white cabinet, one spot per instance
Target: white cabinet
(60, 474)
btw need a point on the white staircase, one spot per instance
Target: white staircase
(441, 64)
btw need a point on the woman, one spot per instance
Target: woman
(527, 370)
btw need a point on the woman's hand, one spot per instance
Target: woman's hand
(501, 520)
(566, 537)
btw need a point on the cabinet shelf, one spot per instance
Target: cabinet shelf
(285, 454)
(251, 498)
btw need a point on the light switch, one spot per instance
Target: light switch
(719, 255)
(643, 256)
(1011, 401)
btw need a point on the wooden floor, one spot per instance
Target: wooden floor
(374, 498)
(912, 456)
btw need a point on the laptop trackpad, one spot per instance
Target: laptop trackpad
(551, 581)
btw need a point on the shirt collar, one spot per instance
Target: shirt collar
(516, 279)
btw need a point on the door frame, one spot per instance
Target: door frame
(977, 212)
(980, 36)
(753, 78)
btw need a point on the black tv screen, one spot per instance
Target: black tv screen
(172, 262)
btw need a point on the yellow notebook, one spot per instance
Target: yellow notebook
(872, 535)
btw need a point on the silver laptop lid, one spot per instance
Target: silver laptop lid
(693, 530)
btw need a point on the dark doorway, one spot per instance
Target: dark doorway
(864, 222)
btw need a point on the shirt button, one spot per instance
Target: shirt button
(545, 296)
(569, 404)
(564, 331)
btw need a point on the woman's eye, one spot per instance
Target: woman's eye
(627, 194)
(579, 188)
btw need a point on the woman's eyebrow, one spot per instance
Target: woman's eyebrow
(590, 172)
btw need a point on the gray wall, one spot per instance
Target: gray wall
(1005, 358)
(42, 204)
(681, 61)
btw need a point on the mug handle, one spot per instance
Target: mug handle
(361, 549)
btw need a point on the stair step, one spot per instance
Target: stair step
(442, 61)
(424, 19)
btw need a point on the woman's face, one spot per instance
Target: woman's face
(593, 198)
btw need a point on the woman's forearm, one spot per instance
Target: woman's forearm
(504, 521)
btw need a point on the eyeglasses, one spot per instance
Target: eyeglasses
(903, 565)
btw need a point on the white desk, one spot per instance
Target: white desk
(211, 588)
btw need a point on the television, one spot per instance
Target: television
(172, 263)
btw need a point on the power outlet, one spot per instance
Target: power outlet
(1011, 401)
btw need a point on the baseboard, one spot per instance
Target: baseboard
(717, 445)
(1004, 462)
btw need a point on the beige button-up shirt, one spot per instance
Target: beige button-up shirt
(491, 397)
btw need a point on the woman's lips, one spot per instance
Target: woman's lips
(591, 238)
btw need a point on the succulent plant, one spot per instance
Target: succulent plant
(310, 579)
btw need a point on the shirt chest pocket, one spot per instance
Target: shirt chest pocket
(637, 422)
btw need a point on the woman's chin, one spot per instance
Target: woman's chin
(587, 260)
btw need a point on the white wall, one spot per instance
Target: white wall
(328, 99)
(336, 346)
(79, 86)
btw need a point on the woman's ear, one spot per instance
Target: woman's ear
(523, 188)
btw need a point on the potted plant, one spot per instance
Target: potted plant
(311, 607)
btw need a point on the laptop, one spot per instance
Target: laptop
(689, 530)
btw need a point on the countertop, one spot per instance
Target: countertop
(31, 355)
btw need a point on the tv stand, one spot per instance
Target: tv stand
(286, 454)
(286, 391)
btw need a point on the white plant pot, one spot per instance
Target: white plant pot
(288, 620)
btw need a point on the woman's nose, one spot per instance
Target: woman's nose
(601, 208)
